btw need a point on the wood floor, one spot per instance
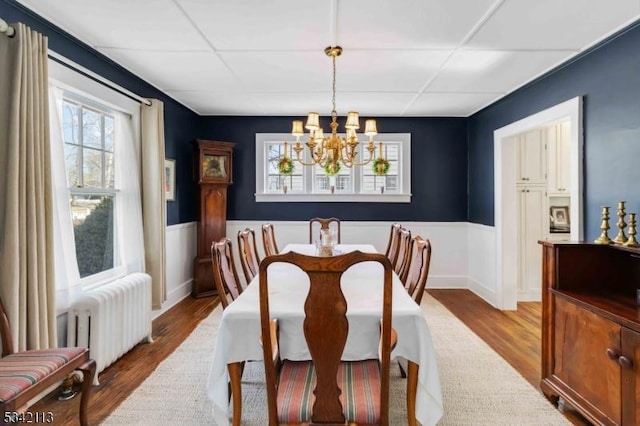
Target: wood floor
(515, 335)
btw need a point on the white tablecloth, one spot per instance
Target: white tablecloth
(239, 332)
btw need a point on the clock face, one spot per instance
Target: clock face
(214, 166)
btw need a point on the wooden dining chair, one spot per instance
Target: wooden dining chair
(25, 376)
(318, 223)
(327, 390)
(418, 270)
(394, 241)
(225, 275)
(269, 240)
(249, 258)
(404, 253)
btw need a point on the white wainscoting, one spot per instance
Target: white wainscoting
(464, 254)
(482, 261)
(180, 252)
(449, 240)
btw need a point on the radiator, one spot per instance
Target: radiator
(112, 319)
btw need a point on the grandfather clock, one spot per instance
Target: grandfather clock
(214, 173)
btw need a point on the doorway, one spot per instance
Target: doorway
(505, 196)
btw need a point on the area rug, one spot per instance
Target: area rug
(478, 386)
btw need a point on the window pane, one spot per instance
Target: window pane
(91, 128)
(108, 133)
(92, 168)
(72, 160)
(70, 123)
(109, 170)
(93, 232)
(276, 181)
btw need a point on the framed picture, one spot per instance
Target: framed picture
(559, 216)
(170, 179)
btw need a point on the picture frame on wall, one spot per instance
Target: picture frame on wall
(170, 179)
(559, 216)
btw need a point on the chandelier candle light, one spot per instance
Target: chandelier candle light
(332, 152)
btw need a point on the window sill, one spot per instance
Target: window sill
(333, 198)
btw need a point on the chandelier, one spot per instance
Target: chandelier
(334, 151)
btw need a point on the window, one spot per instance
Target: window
(311, 183)
(89, 162)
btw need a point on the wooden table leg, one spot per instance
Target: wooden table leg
(412, 388)
(235, 377)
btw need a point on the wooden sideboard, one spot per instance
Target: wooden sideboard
(591, 330)
(214, 172)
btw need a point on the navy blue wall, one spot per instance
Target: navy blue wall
(438, 175)
(609, 79)
(446, 153)
(181, 124)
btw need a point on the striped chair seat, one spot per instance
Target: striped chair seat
(359, 382)
(21, 370)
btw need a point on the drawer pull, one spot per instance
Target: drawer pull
(612, 354)
(625, 362)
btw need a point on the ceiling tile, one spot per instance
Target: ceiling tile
(367, 104)
(553, 24)
(493, 71)
(450, 104)
(262, 24)
(139, 24)
(178, 70)
(407, 24)
(281, 71)
(217, 103)
(386, 70)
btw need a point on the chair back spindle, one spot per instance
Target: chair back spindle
(419, 269)
(317, 224)
(225, 275)
(249, 258)
(269, 240)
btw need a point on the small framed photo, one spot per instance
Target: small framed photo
(559, 216)
(170, 179)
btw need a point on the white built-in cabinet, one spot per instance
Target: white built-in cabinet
(542, 181)
(532, 202)
(532, 158)
(558, 147)
(533, 219)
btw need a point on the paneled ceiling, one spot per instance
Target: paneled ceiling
(401, 57)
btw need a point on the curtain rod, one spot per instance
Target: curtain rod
(97, 77)
(10, 31)
(6, 28)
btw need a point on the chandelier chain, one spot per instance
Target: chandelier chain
(333, 99)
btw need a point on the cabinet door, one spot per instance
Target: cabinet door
(581, 341)
(630, 377)
(532, 227)
(559, 145)
(531, 155)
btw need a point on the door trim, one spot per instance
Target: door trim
(504, 190)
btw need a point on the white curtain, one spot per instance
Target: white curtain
(153, 202)
(27, 285)
(129, 206)
(67, 275)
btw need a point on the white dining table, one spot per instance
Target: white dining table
(238, 337)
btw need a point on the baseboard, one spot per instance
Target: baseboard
(487, 294)
(446, 282)
(174, 297)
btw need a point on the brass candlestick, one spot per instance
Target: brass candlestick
(604, 237)
(631, 241)
(620, 238)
